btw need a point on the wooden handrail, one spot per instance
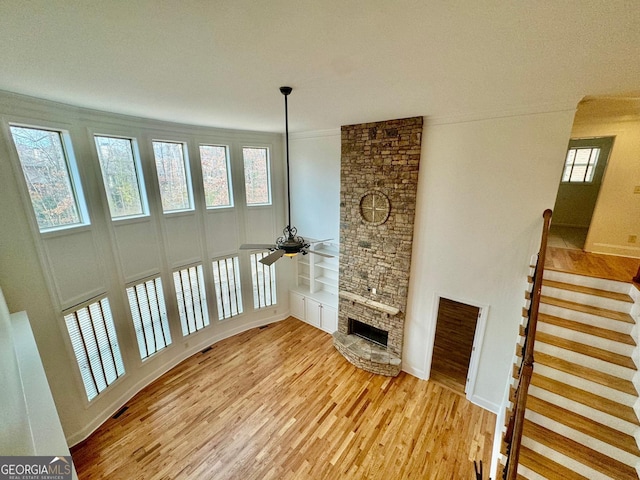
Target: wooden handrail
(526, 369)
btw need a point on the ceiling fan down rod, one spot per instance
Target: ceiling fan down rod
(286, 91)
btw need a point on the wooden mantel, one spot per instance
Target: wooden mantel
(389, 310)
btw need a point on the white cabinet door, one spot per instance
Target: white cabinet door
(329, 318)
(312, 312)
(297, 303)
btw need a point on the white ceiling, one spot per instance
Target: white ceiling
(220, 62)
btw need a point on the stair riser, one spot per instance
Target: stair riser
(593, 443)
(586, 299)
(591, 282)
(586, 339)
(584, 410)
(581, 383)
(589, 319)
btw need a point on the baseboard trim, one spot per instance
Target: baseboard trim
(484, 403)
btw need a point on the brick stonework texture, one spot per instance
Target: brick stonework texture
(383, 157)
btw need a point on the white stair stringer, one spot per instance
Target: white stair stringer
(584, 439)
(584, 281)
(568, 462)
(587, 299)
(586, 339)
(586, 318)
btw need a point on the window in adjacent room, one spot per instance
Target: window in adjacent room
(215, 176)
(192, 299)
(173, 176)
(95, 344)
(52, 179)
(226, 277)
(256, 175)
(121, 175)
(146, 300)
(580, 165)
(264, 281)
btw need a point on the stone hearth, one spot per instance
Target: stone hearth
(379, 179)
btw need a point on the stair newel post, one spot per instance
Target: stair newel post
(526, 370)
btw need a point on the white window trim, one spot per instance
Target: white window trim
(137, 164)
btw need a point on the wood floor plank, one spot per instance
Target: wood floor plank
(610, 267)
(282, 403)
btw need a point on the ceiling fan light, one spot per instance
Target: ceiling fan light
(290, 255)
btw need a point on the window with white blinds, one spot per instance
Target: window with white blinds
(149, 314)
(226, 278)
(95, 344)
(264, 281)
(192, 300)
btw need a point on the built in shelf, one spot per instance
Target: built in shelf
(332, 282)
(328, 266)
(388, 309)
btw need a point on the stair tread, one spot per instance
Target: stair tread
(587, 373)
(545, 466)
(584, 397)
(595, 352)
(588, 329)
(579, 307)
(572, 449)
(583, 424)
(623, 297)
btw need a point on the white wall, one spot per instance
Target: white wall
(617, 212)
(482, 189)
(44, 274)
(315, 183)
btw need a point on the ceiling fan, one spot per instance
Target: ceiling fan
(289, 244)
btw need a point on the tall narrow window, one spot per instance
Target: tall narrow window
(149, 314)
(121, 176)
(256, 175)
(264, 281)
(215, 175)
(47, 170)
(95, 345)
(173, 176)
(226, 277)
(580, 165)
(192, 300)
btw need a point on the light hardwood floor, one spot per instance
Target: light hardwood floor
(282, 403)
(610, 267)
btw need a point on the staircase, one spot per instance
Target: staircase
(580, 421)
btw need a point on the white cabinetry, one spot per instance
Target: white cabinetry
(315, 297)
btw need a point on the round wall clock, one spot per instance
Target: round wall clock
(374, 207)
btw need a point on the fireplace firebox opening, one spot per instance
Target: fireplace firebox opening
(368, 332)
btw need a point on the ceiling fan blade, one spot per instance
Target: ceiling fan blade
(272, 257)
(322, 241)
(257, 246)
(319, 253)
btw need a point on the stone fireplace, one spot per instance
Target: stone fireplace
(379, 179)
